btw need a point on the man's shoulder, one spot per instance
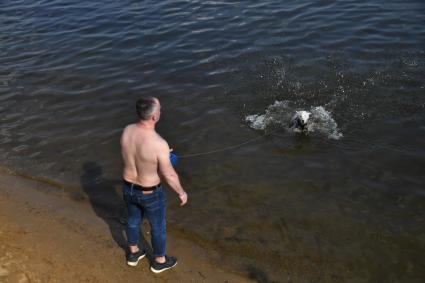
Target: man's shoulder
(160, 140)
(128, 128)
(159, 143)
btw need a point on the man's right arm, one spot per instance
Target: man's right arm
(168, 173)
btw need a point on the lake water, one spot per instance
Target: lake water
(344, 202)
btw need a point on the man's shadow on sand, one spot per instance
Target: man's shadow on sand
(108, 204)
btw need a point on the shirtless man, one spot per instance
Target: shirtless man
(147, 157)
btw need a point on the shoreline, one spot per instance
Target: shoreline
(49, 236)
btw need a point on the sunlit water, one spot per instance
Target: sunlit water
(343, 202)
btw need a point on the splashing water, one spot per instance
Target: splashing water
(280, 113)
(322, 121)
(275, 115)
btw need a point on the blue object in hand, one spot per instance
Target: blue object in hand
(173, 159)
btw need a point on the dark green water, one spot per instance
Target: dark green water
(287, 207)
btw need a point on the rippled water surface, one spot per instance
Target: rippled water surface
(285, 207)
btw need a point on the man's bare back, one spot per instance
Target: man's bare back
(140, 150)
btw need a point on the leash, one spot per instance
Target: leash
(227, 147)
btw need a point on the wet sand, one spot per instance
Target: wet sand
(46, 236)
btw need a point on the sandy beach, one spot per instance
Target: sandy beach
(46, 236)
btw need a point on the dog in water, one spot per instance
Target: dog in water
(299, 121)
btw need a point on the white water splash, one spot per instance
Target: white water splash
(280, 114)
(273, 116)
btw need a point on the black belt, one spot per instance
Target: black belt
(140, 188)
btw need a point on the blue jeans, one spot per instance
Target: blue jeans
(153, 207)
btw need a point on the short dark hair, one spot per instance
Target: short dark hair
(145, 107)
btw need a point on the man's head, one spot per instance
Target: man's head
(148, 109)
